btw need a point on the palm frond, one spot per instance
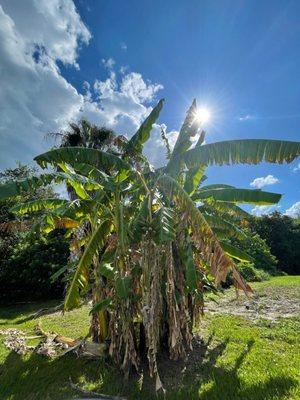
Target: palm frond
(247, 151)
(190, 128)
(186, 255)
(94, 173)
(135, 144)
(16, 188)
(193, 178)
(163, 225)
(138, 225)
(226, 208)
(38, 205)
(79, 182)
(216, 222)
(217, 186)
(80, 280)
(236, 253)
(101, 305)
(233, 195)
(76, 155)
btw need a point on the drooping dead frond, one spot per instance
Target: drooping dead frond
(202, 235)
(176, 345)
(152, 304)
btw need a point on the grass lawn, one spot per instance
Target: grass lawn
(240, 358)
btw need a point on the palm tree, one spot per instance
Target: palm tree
(85, 134)
(155, 238)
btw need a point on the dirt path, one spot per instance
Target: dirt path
(268, 302)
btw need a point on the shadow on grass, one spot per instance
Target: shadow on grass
(224, 384)
(35, 377)
(22, 312)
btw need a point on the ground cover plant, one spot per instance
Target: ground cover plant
(148, 243)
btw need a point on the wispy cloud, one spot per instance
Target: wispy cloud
(246, 117)
(264, 210)
(108, 63)
(251, 117)
(294, 210)
(123, 69)
(264, 181)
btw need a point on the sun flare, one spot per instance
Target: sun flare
(203, 115)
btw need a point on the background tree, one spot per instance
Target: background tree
(28, 258)
(282, 234)
(257, 249)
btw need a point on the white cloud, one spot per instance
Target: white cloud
(297, 168)
(107, 87)
(135, 87)
(53, 26)
(35, 98)
(263, 210)
(123, 69)
(294, 210)
(264, 181)
(121, 105)
(246, 117)
(108, 63)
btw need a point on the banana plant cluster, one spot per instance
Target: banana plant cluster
(148, 242)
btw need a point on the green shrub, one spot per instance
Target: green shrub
(30, 262)
(28, 258)
(282, 235)
(249, 273)
(258, 249)
(252, 274)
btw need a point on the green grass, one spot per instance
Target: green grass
(240, 359)
(282, 281)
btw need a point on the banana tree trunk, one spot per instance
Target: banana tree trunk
(99, 322)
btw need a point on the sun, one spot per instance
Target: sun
(202, 115)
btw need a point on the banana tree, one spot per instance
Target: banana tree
(152, 239)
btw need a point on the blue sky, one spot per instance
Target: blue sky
(240, 59)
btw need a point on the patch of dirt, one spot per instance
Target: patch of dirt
(173, 374)
(270, 303)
